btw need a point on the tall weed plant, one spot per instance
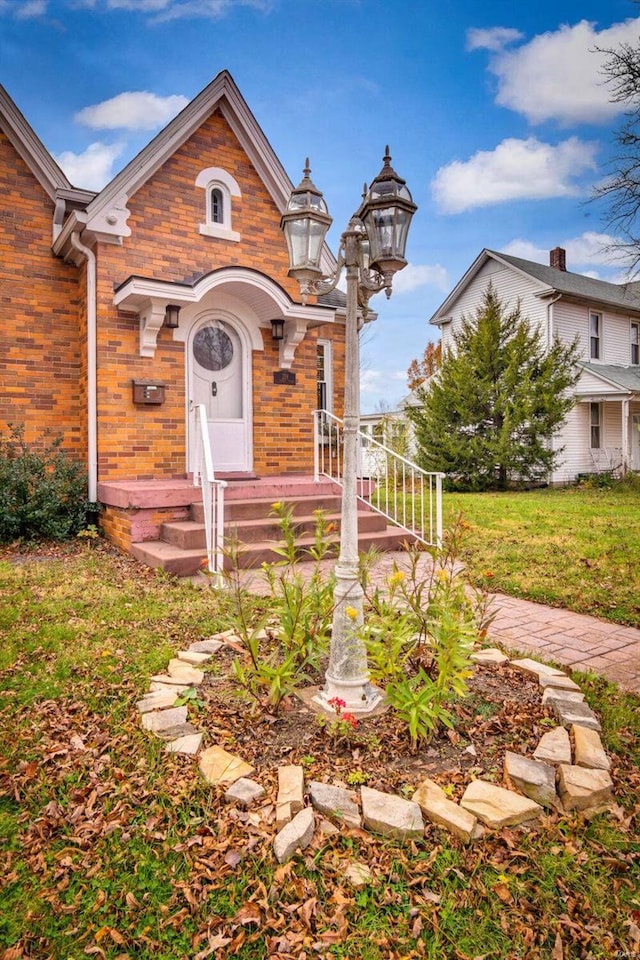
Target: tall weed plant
(421, 631)
(290, 638)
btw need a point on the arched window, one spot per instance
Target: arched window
(220, 191)
(217, 206)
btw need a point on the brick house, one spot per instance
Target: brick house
(92, 342)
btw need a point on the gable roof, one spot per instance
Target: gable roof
(551, 281)
(29, 146)
(626, 378)
(107, 214)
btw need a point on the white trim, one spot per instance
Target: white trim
(600, 338)
(29, 146)
(215, 178)
(636, 324)
(216, 174)
(599, 425)
(328, 371)
(148, 299)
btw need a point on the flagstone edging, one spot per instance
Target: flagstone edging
(559, 776)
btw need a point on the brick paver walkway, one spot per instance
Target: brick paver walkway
(571, 639)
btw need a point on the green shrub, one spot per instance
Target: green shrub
(42, 490)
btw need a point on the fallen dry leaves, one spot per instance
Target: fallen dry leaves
(131, 852)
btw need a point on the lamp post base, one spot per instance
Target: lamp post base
(360, 698)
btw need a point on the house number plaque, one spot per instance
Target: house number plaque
(285, 377)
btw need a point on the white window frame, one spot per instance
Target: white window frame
(327, 346)
(215, 178)
(593, 407)
(597, 338)
(634, 347)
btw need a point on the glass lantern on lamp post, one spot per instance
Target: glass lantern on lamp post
(372, 250)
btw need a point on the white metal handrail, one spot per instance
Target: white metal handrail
(212, 492)
(393, 486)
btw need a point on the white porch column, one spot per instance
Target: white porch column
(625, 437)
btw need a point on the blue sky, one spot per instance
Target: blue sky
(496, 114)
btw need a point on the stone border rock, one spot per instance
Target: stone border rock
(557, 776)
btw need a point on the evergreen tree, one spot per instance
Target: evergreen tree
(487, 418)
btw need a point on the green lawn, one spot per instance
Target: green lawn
(115, 850)
(572, 547)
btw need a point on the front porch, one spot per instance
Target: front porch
(161, 522)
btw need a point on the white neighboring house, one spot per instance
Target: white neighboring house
(391, 428)
(602, 432)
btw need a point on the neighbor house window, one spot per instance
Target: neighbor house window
(221, 189)
(324, 376)
(635, 343)
(595, 420)
(595, 335)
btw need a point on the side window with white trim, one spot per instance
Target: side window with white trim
(220, 191)
(324, 376)
(635, 343)
(595, 418)
(595, 335)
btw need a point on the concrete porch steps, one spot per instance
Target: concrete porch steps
(180, 548)
(186, 562)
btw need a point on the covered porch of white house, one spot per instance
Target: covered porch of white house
(609, 409)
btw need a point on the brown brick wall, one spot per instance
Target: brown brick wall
(149, 442)
(40, 338)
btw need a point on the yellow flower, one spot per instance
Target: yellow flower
(442, 576)
(351, 612)
(396, 578)
(276, 506)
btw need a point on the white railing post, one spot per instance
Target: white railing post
(316, 445)
(391, 477)
(212, 495)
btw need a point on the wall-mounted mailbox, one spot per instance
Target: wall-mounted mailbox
(148, 391)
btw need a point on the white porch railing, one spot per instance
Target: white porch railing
(400, 490)
(212, 492)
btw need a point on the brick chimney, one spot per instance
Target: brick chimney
(558, 259)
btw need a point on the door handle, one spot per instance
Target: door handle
(214, 389)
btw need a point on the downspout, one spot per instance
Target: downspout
(549, 343)
(550, 320)
(92, 400)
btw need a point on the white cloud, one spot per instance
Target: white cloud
(131, 111)
(493, 39)
(514, 170)
(589, 249)
(24, 9)
(92, 169)
(165, 10)
(558, 75)
(420, 275)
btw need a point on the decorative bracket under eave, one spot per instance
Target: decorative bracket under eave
(294, 331)
(151, 317)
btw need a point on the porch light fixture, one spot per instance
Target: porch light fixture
(372, 250)
(277, 328)
(171, 316)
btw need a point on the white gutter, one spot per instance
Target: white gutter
(92, 400)
(550, 320)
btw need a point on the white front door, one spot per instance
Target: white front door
(635, 441)
(217, 379)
